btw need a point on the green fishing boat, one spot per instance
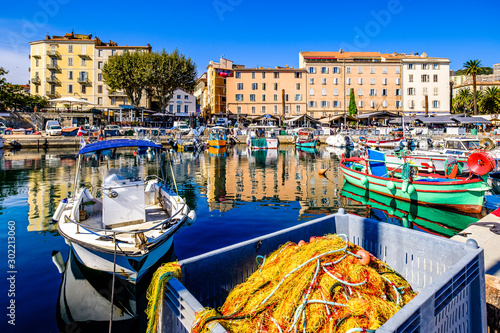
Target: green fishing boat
(408, 214)
(462, 194)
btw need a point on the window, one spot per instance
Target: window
(99, 53)
(237, 75)
(298, 97)
(297, 109)
(238, 109)
(411, 104)
(372, 70)
(348, 91)
(435, 78)
(70, 75)
(263, 75)
(336, 80)
(373, 92)
(186, 97)
(425, 78)
(286, 97)
(398, 81)
(252, 97)
(70, 61)
(360, 80)
(70, 48)
(348, 80)
(311, 92)
(398, 104)
(70, 88)
(398, 70)
(275, 86)
(239, 86)
(336, 104)
(178, 108)
(323, 80)
(311, 80)
(384, 92)
(435, 104)
(113, 52)
(263, 109)
(178, 96)
(336, 70)
(275, 109)
(435, 91)
(312, 70)
(263, 86)
(324, 70)
(113, 100)
(324, 104)
(253, 109)
(99, 77)
(254, 86)
(84, 89)
(263, 97)
(83, 50)
(171, 108)
(239, 97)
(99, 100)
(372, 80)
(425, 66)
(312, 104)
(397, 92)
(410, 78)
(297, 86)
(286, 108)
(253, 75)
(384, 104)
(83, 62)
(52, 89)
(99, 89)
(186, 108)
(37, 62)
(360, 92)
(360, 104)
(99, 64)
(335, 92)
(348, 70)
(411, 66)
(424, 91)
(360, 70)
(435, 66)
(384, 81)
(384, 70)
(323, 92)
(275, 97)
(372, 104)
(276, 75)
(411, 91)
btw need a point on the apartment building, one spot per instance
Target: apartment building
(425, 76)
(71, 66)
(182, 104)
(258, 91)
(217, 73)
(201, 94)
(375, 79)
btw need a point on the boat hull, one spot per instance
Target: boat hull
(465, 196)
(306, 144)
(262, 143)
(217, 143)
(437, 162)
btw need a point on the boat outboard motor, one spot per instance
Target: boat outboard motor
(347, 141)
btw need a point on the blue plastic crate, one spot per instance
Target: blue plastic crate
(448, 275)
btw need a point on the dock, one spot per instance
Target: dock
(486, 232)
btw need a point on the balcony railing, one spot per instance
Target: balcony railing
(52, 79)
(52, 66)
(82, 79)
(35, 80)
(117, 93)
(52, 93)
(52, 53)
(36, 56)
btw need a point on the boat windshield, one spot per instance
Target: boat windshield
(472, 145)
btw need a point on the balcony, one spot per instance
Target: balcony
(35, 80)
(52, 79)
(52, 53)
(117, 94)
(36, 56)
(83, 79)
(52, 66)
(52, 93)
(84, 55)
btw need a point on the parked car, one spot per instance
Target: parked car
(52, 127)
(112, 130)
(222, 122)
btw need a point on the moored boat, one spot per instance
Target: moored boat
(262, 137)
(218, 137)
(305, 138)
(341, 140)
(463, 194)
(126, 223)
(380, 142)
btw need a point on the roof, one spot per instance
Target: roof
(340, 116)
(435, 120)
(119, 143)
(345, 55)
(303, 116)
(470, 120)
(378, 114)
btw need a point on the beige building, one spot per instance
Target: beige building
(480, 86)
(374, 77)
(201, 94)
(217, 74)
(259, 91)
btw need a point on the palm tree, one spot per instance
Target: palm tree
(490, 101)
(463, 101)
(473, 67)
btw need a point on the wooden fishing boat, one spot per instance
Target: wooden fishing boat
(463, 194)
(380, 142)
(262, 137)
(127, 220)
(305, 138)
(218, 137)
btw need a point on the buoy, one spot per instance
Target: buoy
(301, 243)
(404, 186)
(481, 163)
(58, 261)
(312, 239)
(390, 185)
(364, 180)
(59, 210)
(405, 222)
(411, 189)
(365, 257)
(192, 215)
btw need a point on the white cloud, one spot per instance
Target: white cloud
(17, 63)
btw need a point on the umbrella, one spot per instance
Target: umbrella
(71, 100)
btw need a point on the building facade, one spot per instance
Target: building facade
(182, 104)
(217, 73)
(71, 66)
(279, 91)
(201, 94)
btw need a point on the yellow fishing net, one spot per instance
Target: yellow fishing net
(320, 286)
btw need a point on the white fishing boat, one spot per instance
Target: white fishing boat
(341, 140)
(126, 221)
(262, 137)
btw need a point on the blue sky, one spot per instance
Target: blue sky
(259, 33)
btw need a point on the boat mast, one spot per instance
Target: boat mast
(77, 176)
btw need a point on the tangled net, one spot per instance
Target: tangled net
(326, 285)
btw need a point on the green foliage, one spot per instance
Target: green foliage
(12, 96)
(490, 101)
(353, 109)
(473, 67)
(486, 71)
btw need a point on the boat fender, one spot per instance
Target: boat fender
(57, 259)
(390, 211)
(390, 185)
(411, 189)
(192, 215)
(59, 210)
(405, 222)
(404, 187)
(364, 180)
(411, 217)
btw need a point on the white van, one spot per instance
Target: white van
(52, 127)
(222, 122)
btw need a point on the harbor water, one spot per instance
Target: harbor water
(237, 195)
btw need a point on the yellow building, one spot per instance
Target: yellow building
(217, 73)
(70, 66)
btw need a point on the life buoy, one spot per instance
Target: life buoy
(452, 167)
(452, 173)
(481, 163)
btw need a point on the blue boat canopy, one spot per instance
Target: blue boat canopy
(119, 143)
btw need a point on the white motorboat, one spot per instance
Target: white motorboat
(341, 140)
(262, 137)
(126, 221)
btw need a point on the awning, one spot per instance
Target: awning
(435, 120)
(470, 120)
(303, 117)
(378, 114)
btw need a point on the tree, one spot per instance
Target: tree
(490, 101)
(129, 72)
(353, 110)
(168, 72)
(473, 67)
(463, 101)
